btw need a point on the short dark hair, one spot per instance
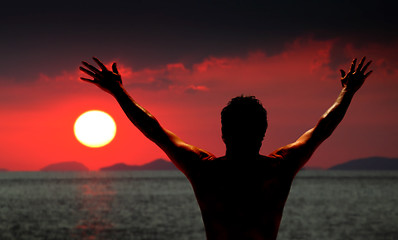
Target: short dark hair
(244, 113)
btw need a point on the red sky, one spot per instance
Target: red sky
(296, 86)
(184, 61)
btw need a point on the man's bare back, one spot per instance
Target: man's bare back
(241, 195)
(241, 201)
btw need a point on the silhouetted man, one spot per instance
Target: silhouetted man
(242, 194)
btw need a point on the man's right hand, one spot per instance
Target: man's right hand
(353, 80)
(109, 81)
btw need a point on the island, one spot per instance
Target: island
(65, 167)
(370, 163)
(158, 164)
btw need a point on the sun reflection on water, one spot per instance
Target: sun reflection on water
(95, 206)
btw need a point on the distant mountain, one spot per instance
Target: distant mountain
(312, 168)
(371, 163)
(65, 166)
(3, 170)
(158, 164)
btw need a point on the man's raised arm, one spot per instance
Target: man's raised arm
(183, 155)
(298, 153)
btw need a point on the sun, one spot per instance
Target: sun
(95, 128)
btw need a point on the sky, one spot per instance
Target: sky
(183, 61)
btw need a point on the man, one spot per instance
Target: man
(242, 194)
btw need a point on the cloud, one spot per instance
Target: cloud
(304, 61)
(194, 89)
(302, 57)
(152, 34)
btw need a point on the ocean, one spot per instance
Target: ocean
(154, 205)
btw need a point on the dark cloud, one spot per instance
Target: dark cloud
(48, 36)
(337, 54)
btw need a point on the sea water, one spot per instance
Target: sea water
(161, 205)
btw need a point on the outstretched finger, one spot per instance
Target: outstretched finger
(354, 62)
(367, 75)
(100, 64)
(114, 68)
(361, 64)
(87, 72)
(342, 73)
(366, 66)
(92, 68)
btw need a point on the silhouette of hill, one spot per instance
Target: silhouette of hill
(312, 168)
(65, 166)
(3, 170)
(158, 164)
(371, 163)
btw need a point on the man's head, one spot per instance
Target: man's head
(244, 123)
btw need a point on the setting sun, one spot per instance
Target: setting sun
(95, 128)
